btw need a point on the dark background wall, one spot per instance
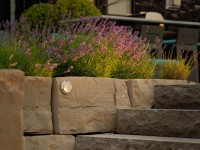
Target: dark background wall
(5, 10)
(21, 5)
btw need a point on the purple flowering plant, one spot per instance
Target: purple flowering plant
(90, 47)
(20, 48)
(100, 48)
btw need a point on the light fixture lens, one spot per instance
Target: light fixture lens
(66, 87)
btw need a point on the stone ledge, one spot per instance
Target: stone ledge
(177, 97)
(159, 122)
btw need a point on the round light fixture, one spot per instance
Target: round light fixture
(66, 87)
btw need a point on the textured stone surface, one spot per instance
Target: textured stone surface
(50, 142)
(134, 142)
(141, 91)
(11, 112)
(121, 93)
(90, 107)
(177, 96)
(37, 105)
(159, 122)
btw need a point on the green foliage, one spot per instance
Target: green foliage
(143, 69)
(42, 13)
(95, 48)
(95, 63)
(21, 49)
(62, 9)
(105, 50)
(49, 14)
(11, 57)
(173, 70)
(83, 8)
(178, 68)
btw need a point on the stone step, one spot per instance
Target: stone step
(134, 142)
(159, 122)
(177, 97)
(141, 91)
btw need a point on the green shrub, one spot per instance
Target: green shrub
(69, 9)
(40, 14)
(49, 14)
(83, 8)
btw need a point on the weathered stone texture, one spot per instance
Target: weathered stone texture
(134, 142)
(11, 112)
(121, 93)
(90, 107)
(50, 142)
(159, 122)
(37, 105)
(141, 91)
(177, 97)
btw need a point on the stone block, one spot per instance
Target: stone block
(85, 120)
(159, 122)
(121, 93)
(177, 97)
(11, 109)
(38, 121)
(37, 105)
(141, 91)
(90, 107)
(134, 142)
(50, 142)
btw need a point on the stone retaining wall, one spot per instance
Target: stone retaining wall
(52, 117)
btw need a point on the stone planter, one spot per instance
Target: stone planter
(37, 105)
(90, 107)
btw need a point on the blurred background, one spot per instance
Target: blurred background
(184, 10)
